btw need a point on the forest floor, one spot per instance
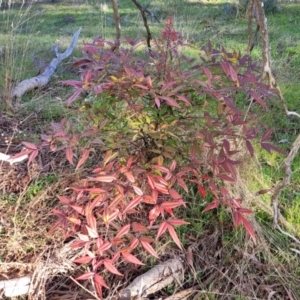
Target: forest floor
(226, 264)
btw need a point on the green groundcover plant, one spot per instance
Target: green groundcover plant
(153, 124)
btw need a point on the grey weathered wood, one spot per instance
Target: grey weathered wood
(43, 79)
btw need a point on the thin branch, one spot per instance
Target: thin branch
(256, 8)
(143, 14)
(286, 179)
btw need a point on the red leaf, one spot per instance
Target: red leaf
(201, 190)
(133, 203)
(18, 155)
(250, 147)
(161, 168)
(132, 259)
(32, 156)
(269, 147)
(225, 68)
(85, 276)
(267, 135)
(146, 239)
(138, 227)
(245, 210)
(124, 230)
(110, 267)
(173, 165)
(129, 176)
(214, 204)
(105, 246)
(170, 101)
(82, 260)
(166, 86)
(91, 220)
(74, 220)
(233, 73)
(161, 188)
(69, 155)
(153, 214)
(172, 204)
(107, 218)
(174, 194)
(98, 290)
(226, 178)
(83, 158)
(249, 229)
(92, 232)
(30, 146)
(78, 209)
(258, 99)
(84, 237)
(182, 184)
(207, 72)
(63, 199)
(95, 190)
(149, 249)
(77, 244)
(161, 229)
(99, 280)
(183, 99)
(237, 218)
(138, 190)
(177, 222)
(141, 86)
(103, 178)
(174, 236)
(129, 161)
(157, 102)
(151, 182)
(55, 226)
(134, 244)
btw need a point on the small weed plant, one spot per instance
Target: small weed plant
(152, 124)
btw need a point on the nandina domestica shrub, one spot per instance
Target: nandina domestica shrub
(158, 122)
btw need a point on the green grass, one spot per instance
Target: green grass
(32, 31)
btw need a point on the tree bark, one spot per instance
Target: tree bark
(117, 20)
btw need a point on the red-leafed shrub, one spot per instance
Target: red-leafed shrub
(157, 122)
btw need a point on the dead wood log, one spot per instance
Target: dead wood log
(154, 280)
(56, 262)
(10, 160)
(43, 79)
(15, 287)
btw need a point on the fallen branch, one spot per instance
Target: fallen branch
(43, 79)
(9, 159)
(154, 280)
(15, 287)
(33, 284)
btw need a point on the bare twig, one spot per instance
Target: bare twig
(284, 182)
(143, 14)
(261, 20)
